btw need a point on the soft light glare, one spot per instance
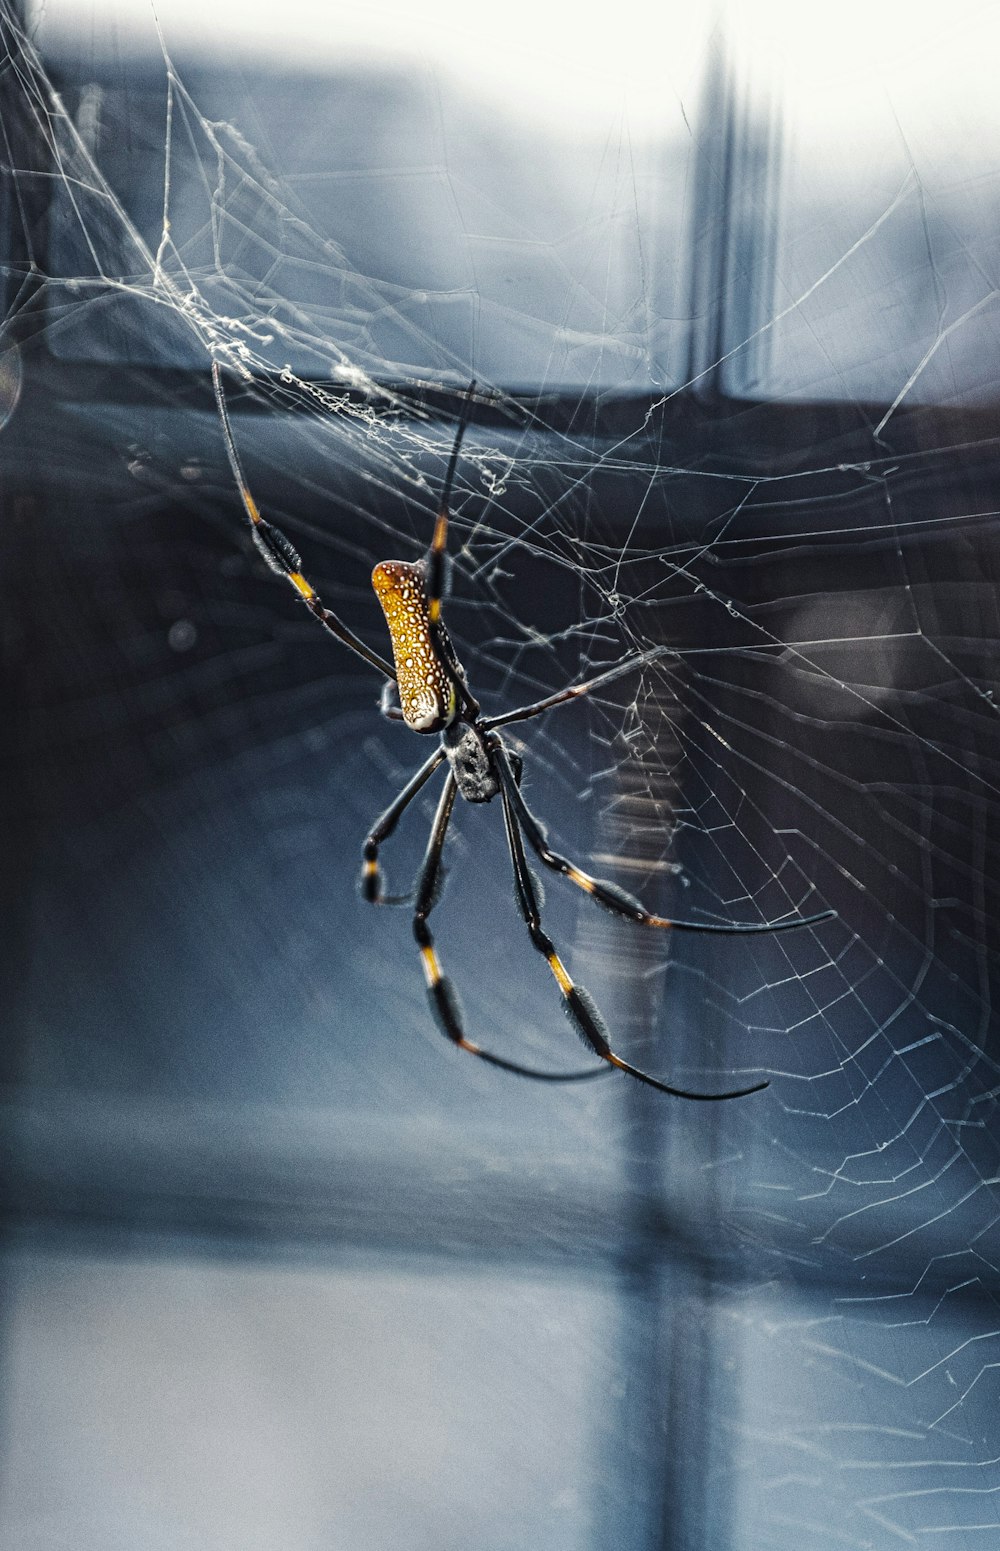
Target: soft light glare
(589, 70)
(576, 67)
(859, 64)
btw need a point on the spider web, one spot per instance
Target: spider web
(762, 449)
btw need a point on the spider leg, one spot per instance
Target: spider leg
(437, 568)
(441, 993)
(616, 899)
(436, 559)
(278, 550)
(575, 691)
(579, 1004)
(371, 875)
(390, 709)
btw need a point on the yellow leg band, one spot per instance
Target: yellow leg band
(559, 970)
(432, 968)
(299, 581)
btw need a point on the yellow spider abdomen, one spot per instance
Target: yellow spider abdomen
(427, 695)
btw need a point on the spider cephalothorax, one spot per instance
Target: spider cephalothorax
(434, 697)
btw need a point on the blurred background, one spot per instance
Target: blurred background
(281, 1268)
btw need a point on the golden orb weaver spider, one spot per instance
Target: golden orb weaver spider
(434, 697)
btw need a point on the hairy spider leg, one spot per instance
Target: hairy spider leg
(618, 900)
(441, 993)
(371, 874)
(279, 552)
(436, 568)
(579, 1004)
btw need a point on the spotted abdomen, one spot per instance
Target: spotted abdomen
(427, 695)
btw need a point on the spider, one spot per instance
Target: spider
(434, 698)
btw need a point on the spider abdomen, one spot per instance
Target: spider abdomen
(427, 695)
